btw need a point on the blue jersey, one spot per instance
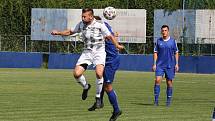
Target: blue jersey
(166, 51)
(112, 59)
(111, 51)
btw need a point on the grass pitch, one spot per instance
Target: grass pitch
(53, 95)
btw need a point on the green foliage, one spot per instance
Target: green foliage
(16, 14)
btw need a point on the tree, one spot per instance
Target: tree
(16, 14)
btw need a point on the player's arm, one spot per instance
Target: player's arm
(155, 57)
(176, 56)
(67, 32)
(108, 36)
(176, 60)
(114, 41)
(64, 33)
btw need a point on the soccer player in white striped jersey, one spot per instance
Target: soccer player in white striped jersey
(93, 35)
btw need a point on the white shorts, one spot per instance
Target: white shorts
(94, 57)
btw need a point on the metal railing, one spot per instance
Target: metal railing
(23, 43)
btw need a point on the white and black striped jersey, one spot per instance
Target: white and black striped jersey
(93, 34)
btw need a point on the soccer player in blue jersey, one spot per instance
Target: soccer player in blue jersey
(111, 65)
(165, 62)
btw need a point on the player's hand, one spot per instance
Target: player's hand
(176, 68)
(154, 67)
(55, 32)
(120, 47)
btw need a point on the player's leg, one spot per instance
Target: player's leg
(100, 97)
(99, 57)
(170, 73)
(94, 106)
(169, 91)
(81, 66)
(99, 86)
(109, 74)
(99, 81)
(157, 89)
(113, 100)
(158, 77)
(78, 75)
(102, 94)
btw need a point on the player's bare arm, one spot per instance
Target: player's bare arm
(64, 33)
(155, 56)
(176, 59)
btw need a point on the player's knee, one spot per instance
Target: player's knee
(169, 83)
(76, 74)
(99, 71)
(108, 87)
(157, 82)
(99, 75)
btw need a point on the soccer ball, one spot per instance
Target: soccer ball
(109, 13)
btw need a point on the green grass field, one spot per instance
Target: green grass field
(53, 95)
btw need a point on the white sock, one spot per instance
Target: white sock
(82, 81)
(99, 86)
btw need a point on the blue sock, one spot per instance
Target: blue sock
(113, 100)
(169, 94)
(156, 92)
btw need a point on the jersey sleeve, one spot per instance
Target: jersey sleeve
(76, 29)
(175, 47)
(156, 47)
(109, 28)
(104, 30)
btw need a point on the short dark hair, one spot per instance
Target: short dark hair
(88, 10)
(97, 17)
(165, 26)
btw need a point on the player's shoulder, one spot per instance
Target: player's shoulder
(99, 22)
(107, 25)
(80, 24)
(172, 39)
(159, 39)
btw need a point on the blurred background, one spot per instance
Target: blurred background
(190, 25)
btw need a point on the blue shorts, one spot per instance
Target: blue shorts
(110, 70)
(169, 73)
